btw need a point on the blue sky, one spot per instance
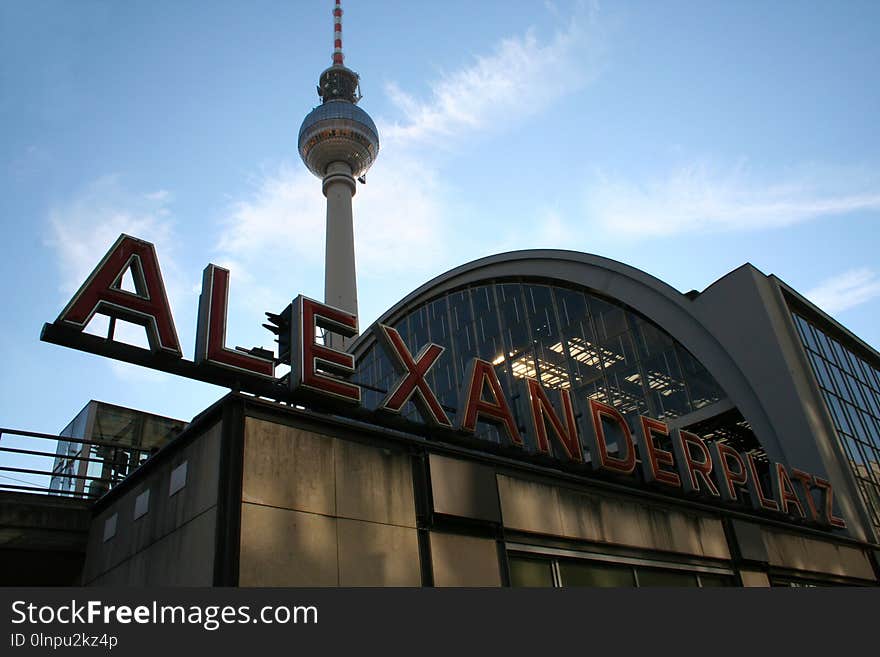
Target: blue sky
(682, 138)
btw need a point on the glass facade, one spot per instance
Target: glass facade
(127, 435)
(566, 338)
(851, 388)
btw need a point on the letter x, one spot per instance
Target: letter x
(414, 370)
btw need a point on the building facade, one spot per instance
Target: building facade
(263, 493)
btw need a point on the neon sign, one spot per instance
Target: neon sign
(671, 459)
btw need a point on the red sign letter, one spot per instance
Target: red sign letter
(148, 305)
(211, 329)
(729, 478)
(693, 470)
(759, 500)
(653, 457)
(472, 405)
(784, 491)
(600, 458)
(825, 486)
(306, 354)
(543, 411)
(806, 480)
(415, 371)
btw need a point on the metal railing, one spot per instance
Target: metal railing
(64, 472)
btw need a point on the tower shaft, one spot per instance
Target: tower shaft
(340, 278)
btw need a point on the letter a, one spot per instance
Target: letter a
(148, 305)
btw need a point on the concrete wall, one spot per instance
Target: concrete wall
(813, 556)
(42, 539)
(541, 508)
(322, 511)
(172, 544)
(464, 560)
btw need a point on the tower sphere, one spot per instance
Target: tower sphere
(338, 131)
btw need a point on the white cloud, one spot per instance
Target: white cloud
(83, 229)
(278, 232)
(847, 290)
(699, 198)
(520, 77)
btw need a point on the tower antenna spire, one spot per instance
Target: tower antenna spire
(338, 57)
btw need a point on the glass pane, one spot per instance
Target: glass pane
(591, 573)
(715, 580)
(530, 572)
(656, 577)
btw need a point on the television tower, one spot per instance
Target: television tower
(338, 142)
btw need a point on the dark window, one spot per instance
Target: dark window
(525, 571)
(657, 577)
(594, 573)
(538, 570)
(848, 384)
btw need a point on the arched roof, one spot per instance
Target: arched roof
(665, 306)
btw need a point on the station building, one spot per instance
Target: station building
(257, 492)
(536, 418)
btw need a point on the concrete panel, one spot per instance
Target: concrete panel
(36, 522)
(465, 489)
(202, 482)
(750, 540)
(816, 556)
(280, 547)
(529, 506)
(546, 509)
(464, 560)
(117, 576)
(751, 578)
(184, 557)
(101, 555)
(374, 484)
(371, 554)
(166, 514)
(288, 468)
(624, 521)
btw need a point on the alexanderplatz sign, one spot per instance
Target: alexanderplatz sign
(318, 375)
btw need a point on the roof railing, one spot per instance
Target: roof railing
(86, 472)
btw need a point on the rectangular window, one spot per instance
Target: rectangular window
(595, 573)
(178, 479)
(848, 385)
(603, 572)
(530, 572)
(142, 504)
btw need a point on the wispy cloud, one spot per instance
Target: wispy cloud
(521, 76)
(278, 232)
(847, 290)
(700, 198)
(83, 229)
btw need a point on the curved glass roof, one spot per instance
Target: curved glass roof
(564, 337)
